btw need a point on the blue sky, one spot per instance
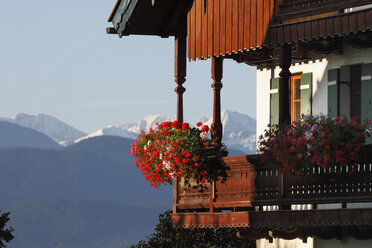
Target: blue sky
(55, 58)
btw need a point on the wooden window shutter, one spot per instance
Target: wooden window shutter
(333, 93)
(344, 91)
(274, 101)
(366, 95)
(306, 93)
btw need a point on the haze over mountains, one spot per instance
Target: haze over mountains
(88, 193)
(239, 129)
(85, 195)
(13, 135)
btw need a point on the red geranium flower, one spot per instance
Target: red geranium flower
(185, 126)
(205, 128)
(168, 151)
(176, 125)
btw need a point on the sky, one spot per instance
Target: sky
(56, 59)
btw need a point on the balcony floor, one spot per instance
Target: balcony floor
(283, 218)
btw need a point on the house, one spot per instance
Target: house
(312, 56)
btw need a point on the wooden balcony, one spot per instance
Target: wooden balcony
(256, 197)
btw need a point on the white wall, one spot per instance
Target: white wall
(319, 68)
(281, 243)
(348, 242)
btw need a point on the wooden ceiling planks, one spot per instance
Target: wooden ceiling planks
(222, 27)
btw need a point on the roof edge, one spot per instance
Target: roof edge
(113, 12)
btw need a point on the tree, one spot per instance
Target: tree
(5, 234)
(168, 237)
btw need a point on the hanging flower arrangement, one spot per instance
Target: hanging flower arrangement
(174, 149)
(314, 141)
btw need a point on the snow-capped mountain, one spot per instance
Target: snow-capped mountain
(239, 131)
(148, 122)
(129, 130)
(114, 130)
(57, 130)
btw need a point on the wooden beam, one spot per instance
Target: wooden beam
(111, 31)
(210, 220)
(285, 58)
(279, 221)
(180, 70)
(217, 86)
(175, 194)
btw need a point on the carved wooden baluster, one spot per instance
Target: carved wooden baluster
(180, 71)
(217, 124)
(180, 78)
(217, 86)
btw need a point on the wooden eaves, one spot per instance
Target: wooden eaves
(139, 17)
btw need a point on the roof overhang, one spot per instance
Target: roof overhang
(145, 17)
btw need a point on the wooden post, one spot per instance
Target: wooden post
(180, 71)
(285, 58)
(179, 78)
(217, 86)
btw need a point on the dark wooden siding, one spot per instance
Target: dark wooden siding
(223, 27)
(220, 27)
(305, 31)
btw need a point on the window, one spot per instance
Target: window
(345, 88)
(300, 96)
(350, 92)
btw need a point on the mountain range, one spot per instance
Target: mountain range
(57, 130)
(86, 193)
(239, 129)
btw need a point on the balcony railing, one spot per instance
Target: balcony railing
(250, 186)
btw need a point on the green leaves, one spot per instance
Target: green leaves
(168, 237)
(5, 234)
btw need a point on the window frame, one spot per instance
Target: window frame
(292, 94)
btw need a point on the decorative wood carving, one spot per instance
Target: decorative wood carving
(361, 40)
(261, 56)
(217, 69)
(299, 51)
(327, 46)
